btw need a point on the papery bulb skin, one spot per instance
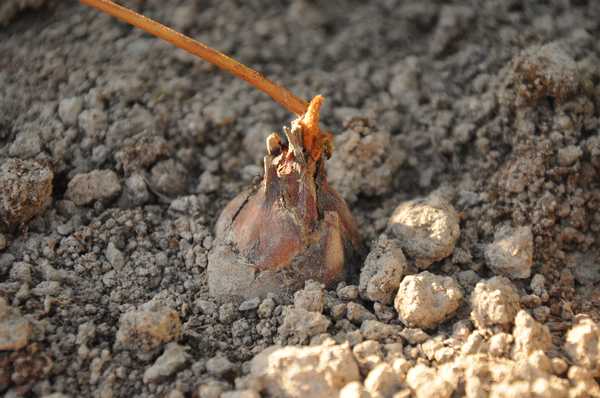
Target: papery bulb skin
(290, 228)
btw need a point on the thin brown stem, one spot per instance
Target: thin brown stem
(281, 95)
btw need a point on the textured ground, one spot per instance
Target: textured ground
(489, 109)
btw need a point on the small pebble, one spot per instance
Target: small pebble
(348, 293)
(250, 305)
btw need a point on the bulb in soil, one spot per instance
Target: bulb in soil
(290, 228)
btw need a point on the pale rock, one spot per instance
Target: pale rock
(135, 192)
(468, 279)
(46, 288)
(444, 354)
(424, 381)
(586, 269)
(368, 354)
(168, 177)
(404, 86)
(175, 394)
(240, 394)
(183, 16)
(541, 313)
(383, 270)
(494, 301)
(582, 344)
(429, 347)
(375, 330)
(212, 389)
(461, 329)
(114, 256)
(86, 188)
(148, 328)
(206, 307)
(382, 381)
(300, 372)
(15, 330)
(249, 305)
(500, 344)
(475, 344)
(427, 229)
(27, 144)
(21, 271)
(303, 324)
(338, 311)
(266, 307)
(393, 351)
(383, 312)
(401, 367)
(529, 335)
(357, 314)
(228, 313)
(511, 253)
(93, 122)
(425, 300)
(583, 383)
(354, 389)
(569, 155)
(208, 182)
(348, 293)
(559, 366)
(97, 365)
(219, 365)
(311, 298)
(516, 389)
(414, 335)
(69, 109)
(172, 360)
(538, 285)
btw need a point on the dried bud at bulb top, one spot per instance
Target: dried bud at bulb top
(290, 228)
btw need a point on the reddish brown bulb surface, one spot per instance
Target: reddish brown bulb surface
(290, 228)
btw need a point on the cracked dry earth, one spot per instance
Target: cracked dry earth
(467, 145)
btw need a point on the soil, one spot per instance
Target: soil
(492, 105)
